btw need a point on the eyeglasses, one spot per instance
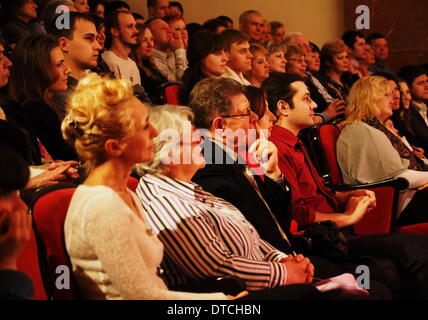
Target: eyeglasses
(238, 115)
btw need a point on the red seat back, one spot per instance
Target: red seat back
(132, 183)
(49, 212)
(172, 94)
(28, 262)
(328, 136)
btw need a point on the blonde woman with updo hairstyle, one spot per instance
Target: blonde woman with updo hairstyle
(366, 153)
(114, 253)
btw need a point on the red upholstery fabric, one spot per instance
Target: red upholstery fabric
(49, 214)
(171, 94)
(28, 262)
(379, 219)
(328, 136)
(132, 183)
(420, 228)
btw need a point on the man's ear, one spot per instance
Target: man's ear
(283, 108)
(217, 123)
(63, 44)
(114, 147)
(114, 32)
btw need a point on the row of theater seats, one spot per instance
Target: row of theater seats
(46, 249)
(320, 140)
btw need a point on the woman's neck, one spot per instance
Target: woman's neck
(112, 173)
(335, 76)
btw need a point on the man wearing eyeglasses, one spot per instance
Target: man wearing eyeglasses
(222, 110)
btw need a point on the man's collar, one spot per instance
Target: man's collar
(284, 135)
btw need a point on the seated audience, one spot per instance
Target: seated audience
(207, 57)
(259, 65)
(17, 16)
(139, 19)
(267, 32)
(227, 20)
(122, 36)
(251, 24)
(15, 226)
(37, 73)
(277, 31)
(239, 55)
(366, 62)
(356, 46)
(151, 79)
(215, 25)
(334, 64)
(379, 45)
(97, 8)
(178, 28)
(175, 8)
(297, 39)
(169, 54)
(313, 58)
(113, 251)
(81, 6)
(157, 8)
(80, 48)
(312, 201)
(194, 247)
(364, 142)
(101, 68)
(276, 57)
(417, 81)
(296, 62)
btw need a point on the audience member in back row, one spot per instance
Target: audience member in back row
(81, 6)
(217, 231)
(18, 15)
(80, 48)
(37, 73)
(259, 65)
(251, 24)
(178, 28)
(151, 79)
(15, 226)
(312, 201)
(364, 142)
(207, 57)
(276, 57)
(122, 36)
(278, 31)
(169, 55)
(239, 55)
(417, 81)
(157, 8)
(379, 45)
(114, 253)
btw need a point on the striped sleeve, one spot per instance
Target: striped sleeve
(190, 240)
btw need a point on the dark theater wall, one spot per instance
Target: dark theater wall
(403, 22)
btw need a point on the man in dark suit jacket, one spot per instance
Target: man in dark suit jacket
(264, 199)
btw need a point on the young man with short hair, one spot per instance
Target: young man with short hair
(239, 55)
(122, 35)
(379, 44)
(289, 100)
(356, 43)
(80, 48)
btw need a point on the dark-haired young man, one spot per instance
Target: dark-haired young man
(158, 8)
(289, 100)
(379, 44)
(80, 48)
(122, 35)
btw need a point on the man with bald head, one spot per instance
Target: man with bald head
(169, 55)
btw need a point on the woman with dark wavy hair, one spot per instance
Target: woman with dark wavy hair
(206, 56)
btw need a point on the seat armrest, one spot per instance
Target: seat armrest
(396, 183)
